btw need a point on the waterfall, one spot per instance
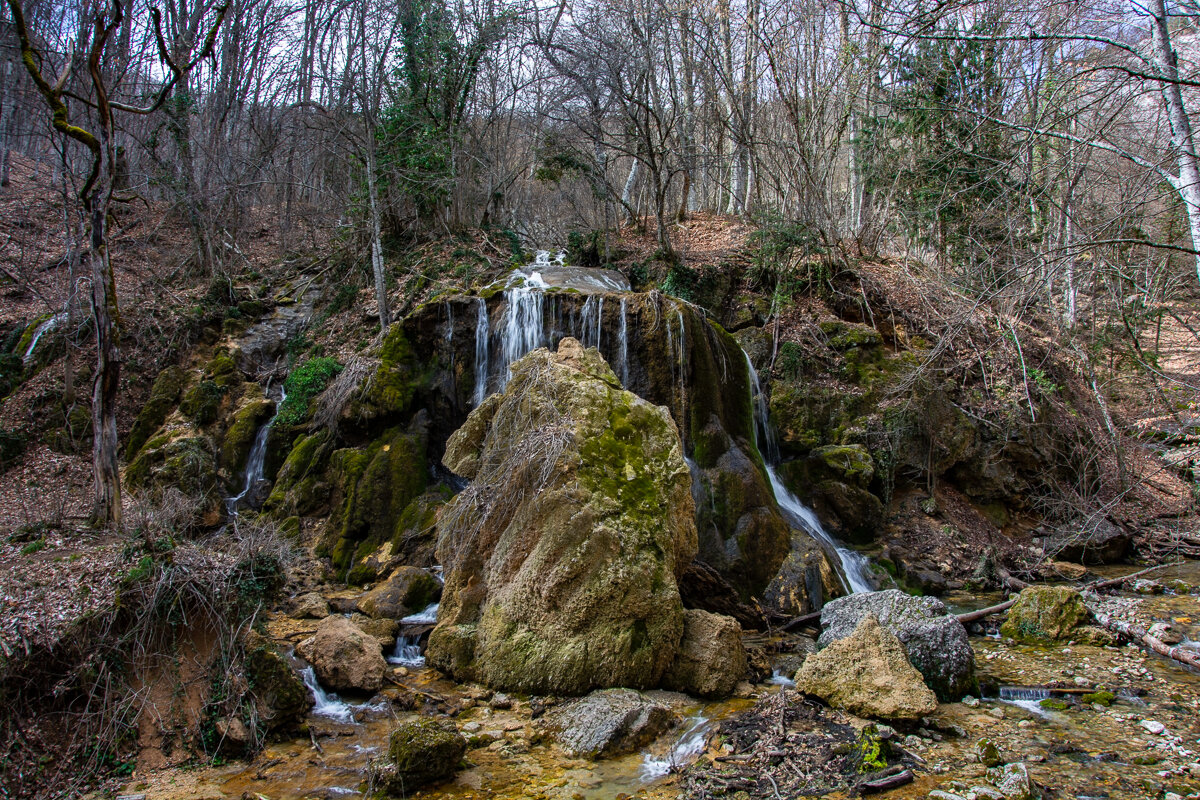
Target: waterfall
(593, 320)
(482, 340)
(522, 326)
(1013, 693)
(623, 344)
(255, 464)
(407, 652)
(44, 327)
(854, 566)
(325, 704)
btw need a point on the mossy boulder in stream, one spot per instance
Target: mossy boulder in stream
(561, 556)
(421, 752)
(1046, 613)
(239, 438)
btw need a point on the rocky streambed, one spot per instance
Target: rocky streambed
(1117, 723)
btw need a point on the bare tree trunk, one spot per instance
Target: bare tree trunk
(1182, 140)
(7, 98)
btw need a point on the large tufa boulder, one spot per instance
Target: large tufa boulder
(406, 591)
(1046, 613)
(608, 723)
(868, 674)
(561, 557)
(711, 658)
(421, 752)
(936, 642)
(343, 656)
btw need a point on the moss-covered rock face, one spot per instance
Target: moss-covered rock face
(373, 487)
(201, 402)
(421, 752)
(188, 463)
(562, 555)
(281, 698)
(239, 437)
(164, 396)
(301, 488)
(1046, 613)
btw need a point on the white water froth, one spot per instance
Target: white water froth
(427, 616)
(407, 652)
(691, 743)
(326, 704)
(779, 679)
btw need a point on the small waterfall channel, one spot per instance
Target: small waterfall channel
(46, 326)
(853, 566)
(407, 652)
(253, 482)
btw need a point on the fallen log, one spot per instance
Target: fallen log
(1111, 582)
(1139, 634)
(885, 782)
(975, 616)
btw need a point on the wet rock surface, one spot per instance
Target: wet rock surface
(421, 752)
(608, 723)
(406, 591)
(935, 641)
(711, 659)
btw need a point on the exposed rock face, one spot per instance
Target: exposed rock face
(1046, 613)
(343, 656)
(406, 591)
(1101, 543)
(711, 658)
(561, 557)
(936, 642)
(867, 673)
(421, 752)
(608, 723)
(702, 587)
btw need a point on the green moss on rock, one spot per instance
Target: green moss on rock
(164, 396)
(422, 752)
(239, 437)
(300, 488)
(1045, 613)
(201, 403)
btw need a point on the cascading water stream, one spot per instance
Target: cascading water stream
(623, 343)
(325, 704)
(407, 652)
(854, 567)
(690, 744)
(255, 465)
(483, 337)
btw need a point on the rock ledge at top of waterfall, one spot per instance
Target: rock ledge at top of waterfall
(562, 555)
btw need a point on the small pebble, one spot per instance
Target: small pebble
(1153, 726)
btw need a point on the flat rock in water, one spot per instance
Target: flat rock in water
(935, 641)
(867, 674)
(608, 723)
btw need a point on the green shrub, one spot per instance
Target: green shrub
(302, 385)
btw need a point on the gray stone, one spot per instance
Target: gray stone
(1013, 782)
(608, 723)
(934, 640)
